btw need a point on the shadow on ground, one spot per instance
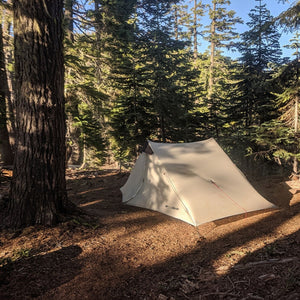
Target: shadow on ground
(140, 254)
(33, 276)
(178, 276)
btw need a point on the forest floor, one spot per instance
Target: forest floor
(115, 251)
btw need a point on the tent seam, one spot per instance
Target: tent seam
(179, 197)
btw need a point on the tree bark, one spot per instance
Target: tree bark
(69, 23)
(212, 53)
(195, 31)
(38, 188)
(6, 155)
(176, 22)
(211, 79)
(296, 124)
(8, 59)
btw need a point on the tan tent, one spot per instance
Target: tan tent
(194, 182)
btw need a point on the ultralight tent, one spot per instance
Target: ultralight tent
(194, 182)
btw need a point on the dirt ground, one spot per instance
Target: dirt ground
(117, 251)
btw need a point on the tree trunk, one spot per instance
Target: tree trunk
(73, 134)
(296, 118)
(6, 155)
(195, 30)
(176, 22)
(69, 23)
(212, 53)
(211, 101)
(8, 61)
(38, 188)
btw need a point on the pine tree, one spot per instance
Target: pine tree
(260, 49)
(260, 45)
(288, 79)
(295, 45)
(275, 92)
(116, 72)
(220, 33)
(163, 60)
(289, 19)
(84, 102)
(84, 95)
(69, 20)
(132, 117)
(181, 21)
(155, 83)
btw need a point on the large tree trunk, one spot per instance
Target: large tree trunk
(6, 156)
(38, 188)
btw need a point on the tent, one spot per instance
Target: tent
(194, 182)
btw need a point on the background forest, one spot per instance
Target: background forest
(133, 71)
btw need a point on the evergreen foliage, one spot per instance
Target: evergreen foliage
(133, 71)
(155, 83)
(84, 100)
(280, 137)
(260, 51)
(220, 34)
(260, 45)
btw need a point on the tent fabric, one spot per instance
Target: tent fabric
(194, 182)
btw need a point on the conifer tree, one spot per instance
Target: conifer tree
(155, 84)
(260, 49)
(181, 20)
(220, 33)
(132, 119)
(295, 45)
(275, 93)
(84, 102)
(193, 23)
(84, 95)
(290, 18)
(116, 73)
(162, 58)
(287, 102)
(260, 44)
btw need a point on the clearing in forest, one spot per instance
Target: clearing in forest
(117, 251)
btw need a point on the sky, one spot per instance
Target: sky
(242, 9)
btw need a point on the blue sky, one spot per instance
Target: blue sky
(242, 9)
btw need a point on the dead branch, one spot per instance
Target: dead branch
(264, 262)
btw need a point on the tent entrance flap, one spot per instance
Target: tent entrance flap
(194, 182)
